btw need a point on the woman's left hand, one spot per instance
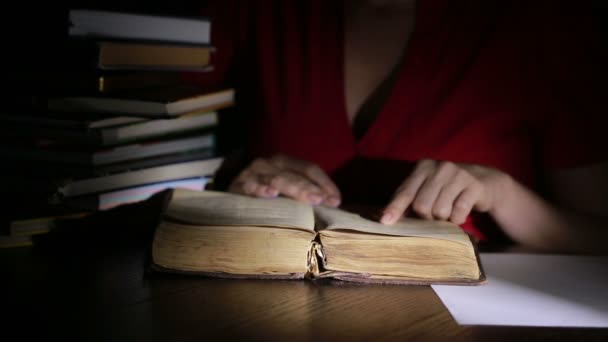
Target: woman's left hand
(447, 191)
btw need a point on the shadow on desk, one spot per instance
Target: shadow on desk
(126, 225)
(90, 282)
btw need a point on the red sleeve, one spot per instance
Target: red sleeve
(573, 70)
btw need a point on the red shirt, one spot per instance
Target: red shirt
(502, 84)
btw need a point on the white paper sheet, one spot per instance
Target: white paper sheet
(533, 290)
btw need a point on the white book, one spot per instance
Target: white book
(109, 200)
(152, 175)
(130, 26)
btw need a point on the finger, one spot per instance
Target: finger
(314, 173)
(294, 186)
(249, 181)
(263, 170)
(243, 186)
(404, 195)
(262, 166)
(463, 204)
(332, 197)
(331, 194)
(318, 176)
(266, 191)
(429, 191)
(443, 206)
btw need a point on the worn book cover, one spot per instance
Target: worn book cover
(228, 235)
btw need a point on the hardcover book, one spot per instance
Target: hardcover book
(141, 56)
(154, 102)
(139, 27)
(103, 156)
(229, 235)
(106, 134)
(151, 175)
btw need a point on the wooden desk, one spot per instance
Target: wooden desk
(99, 290)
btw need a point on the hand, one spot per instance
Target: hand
(446, 191)
(282, 175)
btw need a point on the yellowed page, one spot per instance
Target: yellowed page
(413, 257)
(226, 209)
(336, 219)
(231, 249)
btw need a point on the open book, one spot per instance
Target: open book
(229, 235)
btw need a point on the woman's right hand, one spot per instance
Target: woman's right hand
(287, 176)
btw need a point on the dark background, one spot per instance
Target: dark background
(30, 31)
(34, 34)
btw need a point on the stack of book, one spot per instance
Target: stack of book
(125, 133)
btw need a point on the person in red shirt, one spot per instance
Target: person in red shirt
(487, 114)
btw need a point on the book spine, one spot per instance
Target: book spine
(315, 260)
